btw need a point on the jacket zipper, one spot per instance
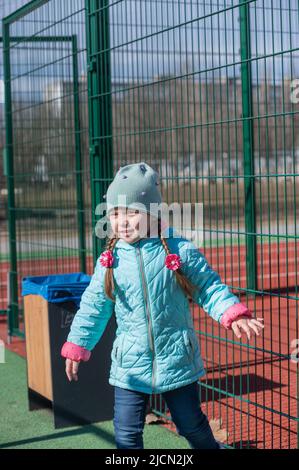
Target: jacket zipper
(150, 328)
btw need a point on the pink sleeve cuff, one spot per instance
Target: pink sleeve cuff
(74, 352)
(233, 312)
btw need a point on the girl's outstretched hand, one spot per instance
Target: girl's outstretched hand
(71, 369)
(245, 323)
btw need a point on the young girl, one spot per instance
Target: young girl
(148, 280)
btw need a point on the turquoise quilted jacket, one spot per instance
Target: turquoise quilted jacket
(156, 347)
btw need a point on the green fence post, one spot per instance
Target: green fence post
(12, 317)
(79, 167)
(248, 153)
(99, 107)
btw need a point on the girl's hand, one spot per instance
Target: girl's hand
(245, 324)
(71, 369)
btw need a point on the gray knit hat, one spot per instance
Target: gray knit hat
(135, 186)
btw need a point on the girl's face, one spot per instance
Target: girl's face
(129, 224)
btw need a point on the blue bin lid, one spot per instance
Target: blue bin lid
(57, 287)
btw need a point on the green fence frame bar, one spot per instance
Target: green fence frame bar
(248, 153)
(99, 107)
(78, 156)
(20, 39)
(24, 10)
(13, 310)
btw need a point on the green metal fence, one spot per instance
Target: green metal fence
(5, 9)
(202, 91)
(47, 160)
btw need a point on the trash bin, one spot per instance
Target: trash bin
(50, 303)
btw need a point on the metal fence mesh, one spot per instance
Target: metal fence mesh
(5, 9)
(50, 213)
(203, 92)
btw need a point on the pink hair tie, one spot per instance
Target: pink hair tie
(106, 259)
(173, 262)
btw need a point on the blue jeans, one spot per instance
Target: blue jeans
(183, 404)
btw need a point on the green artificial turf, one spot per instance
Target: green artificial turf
(24, 429)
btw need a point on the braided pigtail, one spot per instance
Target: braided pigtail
(106, 259)
(183, 281)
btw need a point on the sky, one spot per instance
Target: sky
(151, 38)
